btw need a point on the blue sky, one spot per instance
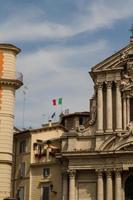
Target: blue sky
(61, 40)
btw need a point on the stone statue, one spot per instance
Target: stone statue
(130, 127)
(125, 80)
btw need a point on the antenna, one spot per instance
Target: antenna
(24, 100)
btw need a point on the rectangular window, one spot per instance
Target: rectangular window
(22, 169)
(46, 172)
(22, 146)
(46, 193)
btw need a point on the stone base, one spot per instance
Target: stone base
(118, 130)
(109, 131)
(99, 132)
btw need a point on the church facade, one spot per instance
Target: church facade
(85, 156)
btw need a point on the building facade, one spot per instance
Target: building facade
(9, 82)
(86, 156)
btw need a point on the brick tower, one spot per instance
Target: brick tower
(9, 82)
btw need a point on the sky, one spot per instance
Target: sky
(60, 41)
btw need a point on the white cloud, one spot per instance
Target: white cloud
(98, 14)
(55, 72)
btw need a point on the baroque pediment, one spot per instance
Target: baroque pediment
(114, 62)
(128, 147)
(121, 141)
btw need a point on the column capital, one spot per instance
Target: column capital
(118, 83)
(99, 173)
(109, 84)
(118, 172)
(99, 85)
(72, 173)
(108, 173)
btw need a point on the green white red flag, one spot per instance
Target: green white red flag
(57, 101)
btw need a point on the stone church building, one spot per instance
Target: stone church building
(86, 155)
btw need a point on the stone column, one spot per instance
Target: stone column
(109, 106)
(118, 190)
(100, 192)
(72, 194)
(128, 110)
(64, 186)
(109, 186)
(118, 107)
(124, 113)
(99, 107)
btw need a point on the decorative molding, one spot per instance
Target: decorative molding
(118, 83)
(118, 173)
(109, 84)
(99, 85)
(11, 82)
(100, 173)
(72, 173)
(108, 173)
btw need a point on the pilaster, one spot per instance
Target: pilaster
(72, 190)
(109, 106)
(109, 186)
(124, 113)
(64, 186)
(118, 195)
(100, 191)
(99, 107)
(128, 110)
(118, 107)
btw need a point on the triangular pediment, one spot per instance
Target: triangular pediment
(114, 62)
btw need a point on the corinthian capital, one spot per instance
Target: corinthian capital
(99, 85)
(72, 173)
(118, 173)
(109, 84)
(117, 83)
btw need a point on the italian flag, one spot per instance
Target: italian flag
(57, 101)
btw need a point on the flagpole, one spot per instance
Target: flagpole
(62, 108)
(56, 113)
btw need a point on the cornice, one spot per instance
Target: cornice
(10, 82)
(114, 62)
(10, 47)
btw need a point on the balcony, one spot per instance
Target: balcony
(9, 79)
